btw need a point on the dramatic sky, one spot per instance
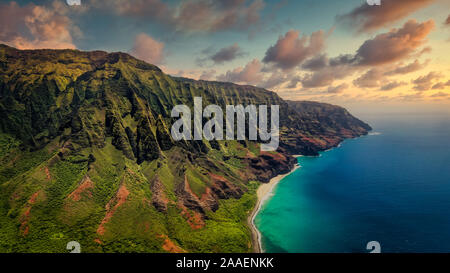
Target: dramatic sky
(343, 52)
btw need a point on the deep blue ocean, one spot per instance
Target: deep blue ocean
(392, 186)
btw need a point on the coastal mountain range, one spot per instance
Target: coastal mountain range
(86, 155)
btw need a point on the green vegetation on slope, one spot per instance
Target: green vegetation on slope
(86, 155)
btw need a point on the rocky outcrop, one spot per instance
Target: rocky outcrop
(159, 198)
(268, 165)
(187, 198)
(223, 189)
(220, 188)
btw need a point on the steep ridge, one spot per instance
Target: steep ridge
(87, 155)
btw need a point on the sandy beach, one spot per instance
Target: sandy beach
(263, 193)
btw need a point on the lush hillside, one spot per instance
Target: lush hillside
(86, 155)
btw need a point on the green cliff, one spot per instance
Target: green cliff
(86, 155)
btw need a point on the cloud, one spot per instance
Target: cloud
(208, 75)
(275, 79)
(392, 85)
(249, 74)
(370, 18)
(316, 63)
(338, 89)
(223, 55)
(207, 15)
(412, 97)
(383, 49)
(35, 27)
(227, 54)
(412, 67)
(424, 83)
(293, 82)
(425, 50)
(440, 95)
(74, 2)
(153, 9)
(189, 73)
(441, 85)
(318, 79)
(190, 15)
(291, 49)
(148, 49)
(326, 76)
(255, 73)
(394, 45)
(371, 79)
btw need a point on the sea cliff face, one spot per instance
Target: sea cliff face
(332, 124)
(87, 155)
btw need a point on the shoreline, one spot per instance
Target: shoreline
(262, 194)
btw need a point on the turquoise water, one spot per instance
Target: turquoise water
(392, 186)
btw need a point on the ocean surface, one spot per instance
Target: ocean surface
(392, 186)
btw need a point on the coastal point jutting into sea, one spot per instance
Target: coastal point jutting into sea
(390, 187)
